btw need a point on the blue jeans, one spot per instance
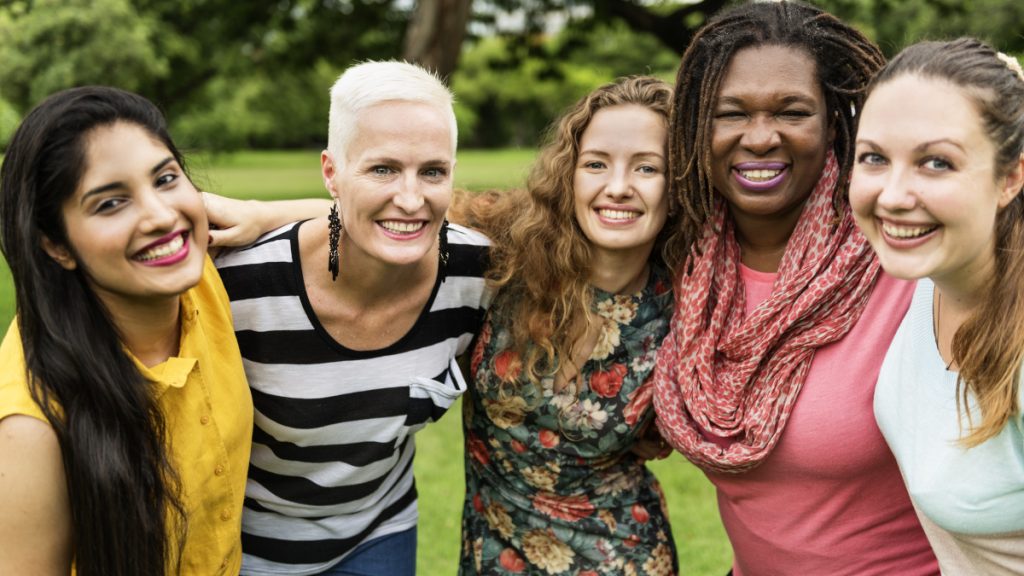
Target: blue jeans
(390, 555)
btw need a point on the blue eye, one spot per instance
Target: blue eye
(382, 170)
(938, 164)
(648, 169)
(871, 159)
(435, 172)
(594, 165)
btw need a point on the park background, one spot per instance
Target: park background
(245, 87)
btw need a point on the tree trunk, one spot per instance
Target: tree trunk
(435, 34)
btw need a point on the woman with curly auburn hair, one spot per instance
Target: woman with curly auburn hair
(561, 370)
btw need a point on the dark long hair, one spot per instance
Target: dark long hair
(844, 60)
(989, 346)
(122, 487)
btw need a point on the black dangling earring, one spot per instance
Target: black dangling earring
(334, 228)
(442, 250)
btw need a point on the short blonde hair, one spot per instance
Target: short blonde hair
(369, 83)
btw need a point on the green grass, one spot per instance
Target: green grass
(296, 174)
(703, 547)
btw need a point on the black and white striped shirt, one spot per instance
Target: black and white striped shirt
(332, 447)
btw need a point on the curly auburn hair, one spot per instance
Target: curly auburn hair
(845, 61)
(539, 250)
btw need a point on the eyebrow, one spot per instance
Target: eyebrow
(604, 154)
(787, 99)
(919, 148)
(392, 161)
(119, 184)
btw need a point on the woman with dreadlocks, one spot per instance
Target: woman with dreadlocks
(782, 316)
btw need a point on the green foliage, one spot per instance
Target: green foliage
(261, 110)
(510, 89)
(895, 23)
(61, 43)
(9, 120)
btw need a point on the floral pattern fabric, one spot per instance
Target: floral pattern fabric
(551, 484)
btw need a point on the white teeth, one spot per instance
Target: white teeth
(401, 227)
(759, 175)
(906, 231)
(617, 214)
(165, 249)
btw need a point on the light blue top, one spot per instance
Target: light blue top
(963, 491)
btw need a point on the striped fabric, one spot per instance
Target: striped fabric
(332, 448)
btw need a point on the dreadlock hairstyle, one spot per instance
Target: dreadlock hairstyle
(538, 249)
(845, 60)
(122, 488)
(988, 347)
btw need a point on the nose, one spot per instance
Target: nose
(158, 214)
(619, 184)
(409, 196)
(761, 135)
(898, 192)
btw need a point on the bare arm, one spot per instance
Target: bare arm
(35, 526)
(241, 222)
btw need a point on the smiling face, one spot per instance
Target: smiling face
(925, 188)
(135, 225)
(396, 183)
(619, 182)
(770, 134)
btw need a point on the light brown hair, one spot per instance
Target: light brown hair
(988, 347)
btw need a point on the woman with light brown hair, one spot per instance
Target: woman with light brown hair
(937, 190)
(561, 370)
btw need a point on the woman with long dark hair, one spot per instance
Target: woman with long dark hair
(125, 419)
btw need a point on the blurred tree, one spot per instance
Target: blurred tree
(895, 23)
(77, 42)
(256, 73)
(435, 34)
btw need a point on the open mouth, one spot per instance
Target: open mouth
(761, 175)
(164, 249)
(906, 232)
(401, 227)
(617, 215)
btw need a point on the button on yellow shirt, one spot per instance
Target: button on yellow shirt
(208, 410)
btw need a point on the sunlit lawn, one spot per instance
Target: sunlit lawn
(703, 547)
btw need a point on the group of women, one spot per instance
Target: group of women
(728, 267)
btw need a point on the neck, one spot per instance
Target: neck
(619, 273)
(364, 279)
(150, 328)
(956, 298)
(763, 240)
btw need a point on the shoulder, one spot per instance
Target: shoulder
(15, 397)
(274, 246)
(33, 494)
(459, 234)
(468, 252)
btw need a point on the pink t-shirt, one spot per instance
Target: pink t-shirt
(829, 499)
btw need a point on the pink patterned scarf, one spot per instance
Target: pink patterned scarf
(736, 376)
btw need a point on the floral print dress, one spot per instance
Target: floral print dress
(551, 484)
